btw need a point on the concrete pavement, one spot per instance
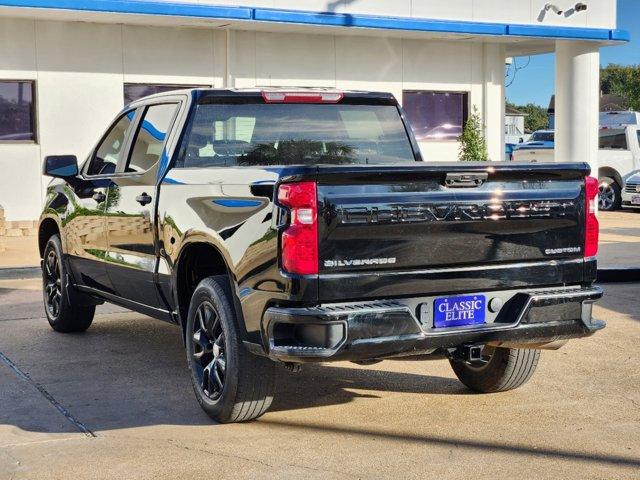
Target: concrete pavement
(116, 402)
(619, 239)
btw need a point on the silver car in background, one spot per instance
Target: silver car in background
(631, 192)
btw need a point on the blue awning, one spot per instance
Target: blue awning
(327, 19)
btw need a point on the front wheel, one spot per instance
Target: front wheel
(63, 314)
(610, 195)
(500, 369)
(231, 384)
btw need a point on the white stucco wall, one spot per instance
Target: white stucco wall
(20, 180)
(369, 63)
(80, 68)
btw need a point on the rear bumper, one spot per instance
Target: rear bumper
(380, 329)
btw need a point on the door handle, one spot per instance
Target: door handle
(99, 197)
(143, 199)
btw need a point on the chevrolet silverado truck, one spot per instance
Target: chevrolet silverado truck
(284, 227)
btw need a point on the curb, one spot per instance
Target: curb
(19, 273)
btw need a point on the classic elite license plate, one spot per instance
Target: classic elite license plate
(459, 311)
(635, 200)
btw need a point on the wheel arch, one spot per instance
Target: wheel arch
(47, 228)
(198, 259)
(611, 173)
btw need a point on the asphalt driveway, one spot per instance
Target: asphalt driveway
(115, 402)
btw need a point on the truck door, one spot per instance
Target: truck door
(86, 225)
(130, 214)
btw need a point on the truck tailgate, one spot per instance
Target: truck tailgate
(378, 219)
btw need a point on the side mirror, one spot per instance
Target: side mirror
(60, 166)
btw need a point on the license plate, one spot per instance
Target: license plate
(459, 311)
(635, 200)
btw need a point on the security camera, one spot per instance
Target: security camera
(580, 7)
(555, 8)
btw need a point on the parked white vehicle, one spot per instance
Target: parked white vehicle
(539, 148)
(631, 192)
(618, 159)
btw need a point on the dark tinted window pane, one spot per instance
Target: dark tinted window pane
(436, 115)
(295, 134)
(147, 146)
(134, 91)
(16, 111)
(111, 148)
(543, 137)
(613, 140)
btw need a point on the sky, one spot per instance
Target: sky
(535, 82)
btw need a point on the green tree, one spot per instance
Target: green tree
(473, 146)
(624, 81)
(536, 118)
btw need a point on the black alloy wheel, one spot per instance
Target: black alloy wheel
(231, 384)
(66, 310)
(209, 360)
(52, 284)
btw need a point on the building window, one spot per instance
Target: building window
(436, 115)
(134, 91)
(17, 111)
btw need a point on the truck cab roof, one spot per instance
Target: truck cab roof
(205, 95)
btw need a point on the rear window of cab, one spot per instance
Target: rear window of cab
(261, 134)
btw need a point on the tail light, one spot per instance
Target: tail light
(302, 97)
(592, 227)
(300, 239)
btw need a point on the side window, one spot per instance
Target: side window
(150, 137)
(111, 149)
(613, 140)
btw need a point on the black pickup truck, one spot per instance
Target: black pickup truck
(283, 227)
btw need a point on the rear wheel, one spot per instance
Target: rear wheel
(63, 315)
(500, 369)
(231, 384)
(610, 194)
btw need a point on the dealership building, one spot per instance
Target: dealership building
(68, 66)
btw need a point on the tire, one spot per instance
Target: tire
(231, 384)
(63, 313)
(506, 369)
(610, 195)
